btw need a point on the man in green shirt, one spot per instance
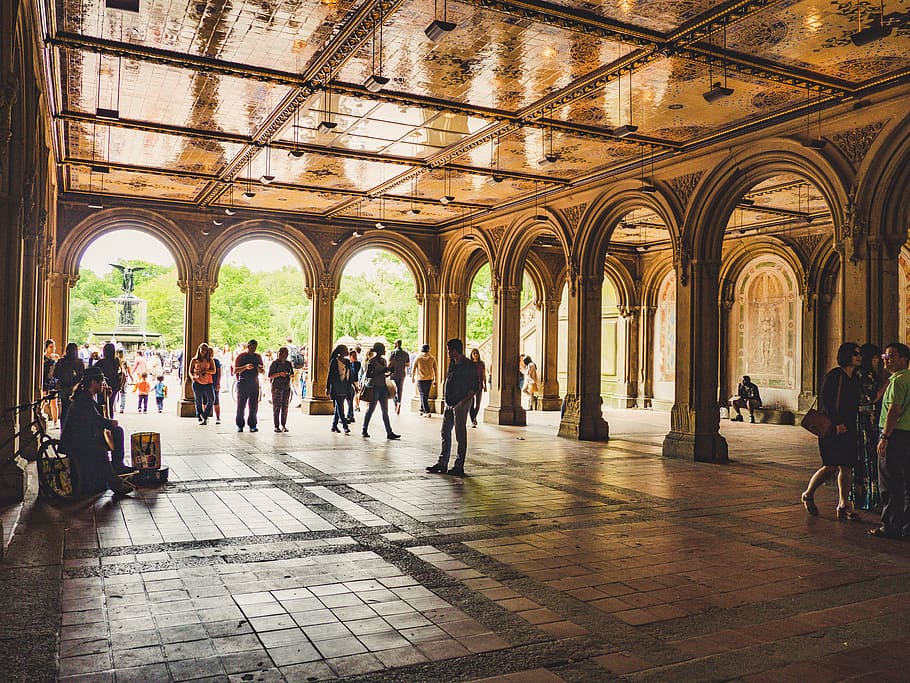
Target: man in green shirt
(894, 446)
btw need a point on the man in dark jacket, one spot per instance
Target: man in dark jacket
(460, 386)
(84, 441)
(747, 396)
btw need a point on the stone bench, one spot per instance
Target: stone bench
(774, 416)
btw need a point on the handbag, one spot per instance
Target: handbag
(816, 421)
(366, 394)
(391, 388)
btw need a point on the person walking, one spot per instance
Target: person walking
(532, 385)
(399, 362)
(894, 446)
(458, 392)
(160, 389)
(481, 368)
(216, 390)
(281, 373)
(376, 372)
(424, 374)
(48, 383)
(68, 373)
(338, 386)
(202, 372)
(353, 394)
(113, 374)
(125, 379)
(247, 367)
(839, 399)
(143, 388)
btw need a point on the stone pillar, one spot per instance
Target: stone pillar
(428, 327)
(451, 324)
(882, 277)
(627, 372)
(583, 415)
(809, 350)
(695, 419)
(725, 382)
(196, 330)
(550, 398)
(58, 307)
(646, 353)
(322, 308)
(505, 399)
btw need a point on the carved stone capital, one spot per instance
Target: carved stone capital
(628, 312)
(681, 261)
(197, 289)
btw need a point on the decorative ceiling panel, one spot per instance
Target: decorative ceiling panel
(155, 93)
(523, 150)
(330, 172)
(813, 35)
(283, 35)
(281, 199)
(132, 184)
(667, 101)
(390, 209)
(656, 15)
(471, 188)
(102, 143)
(489, 60)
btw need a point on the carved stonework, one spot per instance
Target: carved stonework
(496, 236)
(685, 185)
(9, 91)
(628, 311)
(808, 243)
(574, 214)
(681, 262)
(323, 242)
(572, 408)
(682, 419)
(856, 143)
(432, 270)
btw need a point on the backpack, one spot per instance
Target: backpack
(296, 358)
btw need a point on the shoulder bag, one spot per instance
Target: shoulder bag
(816, 421)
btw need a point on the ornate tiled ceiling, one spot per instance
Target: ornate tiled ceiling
(195, 101)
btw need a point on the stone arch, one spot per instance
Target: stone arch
(884, 179)
(294, 241)
(747, 251)
(621, 278)
(73, 247)
(602, 217)
(458, 265)
(510, 262)
(717, 196)
(653, 278)
(411, 254)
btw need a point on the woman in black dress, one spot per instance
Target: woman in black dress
(338, 385)
(376, 373)
(872, 384)
(839, 399)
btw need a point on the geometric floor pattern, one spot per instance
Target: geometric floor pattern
(313, 556)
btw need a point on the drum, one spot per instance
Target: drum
(145, 450)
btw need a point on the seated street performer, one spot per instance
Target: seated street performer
(747, 396)
(83, 439)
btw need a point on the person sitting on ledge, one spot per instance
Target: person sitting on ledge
(83, 439)
(747, 396)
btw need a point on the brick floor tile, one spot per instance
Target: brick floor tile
(305, 673)
(622, 663)
(194, 669)
(294, 654)
(153, 673)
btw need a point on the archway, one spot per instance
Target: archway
(664, 347)
(260, 296)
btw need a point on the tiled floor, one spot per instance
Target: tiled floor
(311, 556)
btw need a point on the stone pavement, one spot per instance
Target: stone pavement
(311, 555)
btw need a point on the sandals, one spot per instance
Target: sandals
(809, 504)
(845, 513)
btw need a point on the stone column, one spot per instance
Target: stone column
(627, 385)
(198, 293)
(451, 324)
(583, 415)
(58, 307)
(428, 326)
(809, 349)
(322, 307)
(505, 399)
(695, 419)
(646, 353)
(550, 398)
(726, 384)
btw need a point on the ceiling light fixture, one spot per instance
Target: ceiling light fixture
(718, 89)
(229, 209)
(646, 186)
(448, 197)
(376, 81)
(296, 153)
(249, 194)
(494, 160)
(356, 233)
(267, 177)
(876, 30)
(413, 211)
(813, 142)
(327, 125)
(549, 156)
(538, 217)
(123, 5)
(628, 128)
(439, 27)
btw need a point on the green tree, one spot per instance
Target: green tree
(239, 308)
(165, 305)
(479, 314)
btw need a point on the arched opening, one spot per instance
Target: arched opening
(764, 330)
(664, 369)
(610, 341)
(904, 295)
(260, 296)
(127, 294)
